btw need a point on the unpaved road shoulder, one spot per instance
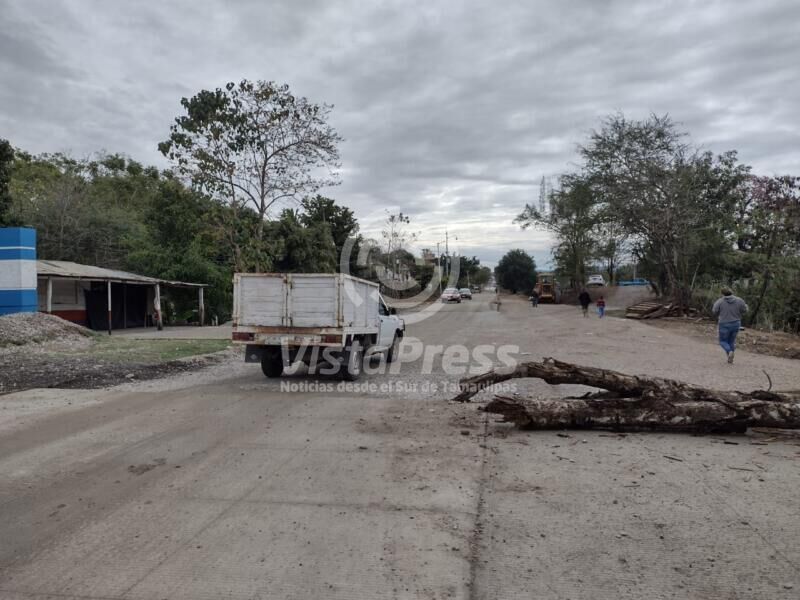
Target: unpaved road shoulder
(217, 484)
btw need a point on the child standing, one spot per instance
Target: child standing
(601, 307)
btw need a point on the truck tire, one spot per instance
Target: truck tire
(391, 355)
(271, 363)
(353, 363)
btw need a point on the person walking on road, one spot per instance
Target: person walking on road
(601, 307)
(729, 311)
(534, 299)
(585, 299)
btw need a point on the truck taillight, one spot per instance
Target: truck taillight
(243, 336)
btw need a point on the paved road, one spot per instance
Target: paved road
(220, 485)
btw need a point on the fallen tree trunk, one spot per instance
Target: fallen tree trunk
(634, 402)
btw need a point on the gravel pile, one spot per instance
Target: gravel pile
(27, 328)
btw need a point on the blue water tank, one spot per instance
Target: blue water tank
(17, 270)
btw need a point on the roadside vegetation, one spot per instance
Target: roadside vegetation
(242, 195)
(516, 272)
(691, 221)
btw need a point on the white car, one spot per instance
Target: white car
(596, 280)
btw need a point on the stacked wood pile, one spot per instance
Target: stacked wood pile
(651, 309)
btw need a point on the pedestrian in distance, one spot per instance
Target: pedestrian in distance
(585, 299)
(535, 299)
(601, 307)
(729, 310)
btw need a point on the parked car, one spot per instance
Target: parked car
(451, 295)
(465, 293)
(637, 281)
(595, 280)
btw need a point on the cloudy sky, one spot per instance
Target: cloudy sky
(452, 111)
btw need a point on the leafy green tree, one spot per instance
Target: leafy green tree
(482, 276)
(516, 271)
(341, 222)
(6, 165)
(82, 211)
(178, 242)
(299, 249)
(768, 230)
(679, 200)
(252, 145)
(468, 271)
(572, 215)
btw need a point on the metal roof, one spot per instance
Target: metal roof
(71, 270)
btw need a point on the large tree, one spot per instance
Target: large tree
(253, 145)
(516, 271)
(664, 192)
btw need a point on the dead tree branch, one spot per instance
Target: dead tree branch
(634, 402)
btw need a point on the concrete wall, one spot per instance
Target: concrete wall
(17, 270)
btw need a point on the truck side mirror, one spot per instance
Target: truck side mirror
(392, 311)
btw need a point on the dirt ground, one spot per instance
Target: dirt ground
(101, 361)
(771, 343)
(219, 483)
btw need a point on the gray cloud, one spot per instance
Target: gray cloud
(451, 111)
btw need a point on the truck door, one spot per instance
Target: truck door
(388, 325)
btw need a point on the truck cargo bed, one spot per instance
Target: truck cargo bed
(277, 301)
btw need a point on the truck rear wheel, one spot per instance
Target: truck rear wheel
(353, 362)
(272, 363)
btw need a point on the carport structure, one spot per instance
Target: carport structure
(103, 298)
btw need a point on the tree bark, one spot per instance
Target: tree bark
(634, 402)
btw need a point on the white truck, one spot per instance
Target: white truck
(320, 318)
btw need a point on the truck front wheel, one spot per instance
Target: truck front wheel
(272, 363)
(391, 355)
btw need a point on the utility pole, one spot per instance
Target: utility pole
(448, 266)
(439, 261)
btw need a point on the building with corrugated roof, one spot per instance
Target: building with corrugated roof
(104, 299)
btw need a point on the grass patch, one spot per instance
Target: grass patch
(148, 351)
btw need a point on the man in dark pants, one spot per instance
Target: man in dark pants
(585, 299)
(729, 309)
(534, 298)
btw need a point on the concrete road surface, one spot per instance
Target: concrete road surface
(221, 485)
